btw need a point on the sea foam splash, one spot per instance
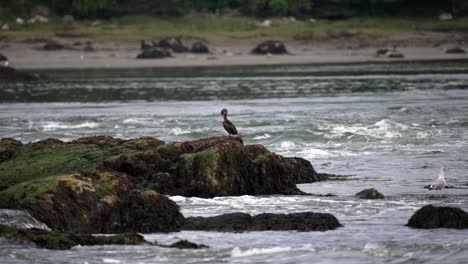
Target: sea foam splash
(54, 126)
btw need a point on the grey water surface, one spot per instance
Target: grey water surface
(388, 126)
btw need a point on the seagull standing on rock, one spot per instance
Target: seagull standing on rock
(440, 182)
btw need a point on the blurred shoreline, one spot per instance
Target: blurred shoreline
(123, 55)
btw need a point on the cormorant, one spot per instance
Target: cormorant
(228, 125)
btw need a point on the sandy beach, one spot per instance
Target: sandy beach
(24, 55)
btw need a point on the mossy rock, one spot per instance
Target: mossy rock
(61, 241)
(102, 202)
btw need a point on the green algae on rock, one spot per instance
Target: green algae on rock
(56, 240)
(103, 184)
(103, 202)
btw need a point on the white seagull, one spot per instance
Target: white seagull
(439, 183)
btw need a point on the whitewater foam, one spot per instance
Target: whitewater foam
(264, 136)
(179, 131)
(53, 126)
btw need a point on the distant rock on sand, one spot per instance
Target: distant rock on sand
(174, 44)
(154, 53)
(200, 47)
(430, 216)
(53, 45)
(455, 50)
(270, 47)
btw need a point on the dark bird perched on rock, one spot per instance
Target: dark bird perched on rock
(228, 125)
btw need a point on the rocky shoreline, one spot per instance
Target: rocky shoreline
(108, 185)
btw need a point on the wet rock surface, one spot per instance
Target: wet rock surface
(154, 53)
(429, 217)
(61, 241)
(103, 184)
(370, 194)
(240, 222)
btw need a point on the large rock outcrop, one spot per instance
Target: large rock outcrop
(103, 184)
(430, 216)
(101, 202)
(239, 222)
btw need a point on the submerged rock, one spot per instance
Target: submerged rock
(430, 216)
(56, 240)
(184, 244)
(270, 47)
(239, 222)
(370, 194)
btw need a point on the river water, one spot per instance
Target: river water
(388, 126)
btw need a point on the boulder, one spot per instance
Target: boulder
(455, 50)
(240, 222)
(217, 166)
(9, 147)
(184, 244)
(173, 44)
(101, 202)
(145, 44)
(304, 172)
(154, 53)
(11, 74)
(62, 241)
(370, 194)
(3, 57)
(270, 47)
(200, 47)
(53, 45)
(429, 217)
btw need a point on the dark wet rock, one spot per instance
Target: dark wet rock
(102, 184)
(102, 202)
(184, 244)
(154, 53)
(62, 241)
(455, 50)
(304, 172)
(240, 222)
(11, 74)
(173, 44)
(200, 47)
(270, 47)
(217, 166)
(99, 141)
(370, 194)
(53, 45)
(3, 57)
(9, 147)
(429, 217)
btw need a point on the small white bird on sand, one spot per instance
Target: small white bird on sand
(440, 182)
